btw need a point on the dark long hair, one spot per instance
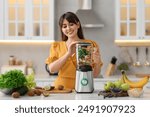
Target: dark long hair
(71, 18)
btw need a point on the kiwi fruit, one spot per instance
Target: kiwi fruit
(37, 92)
(15, 94)
(31, 93)
(46, 93)
(60, 87)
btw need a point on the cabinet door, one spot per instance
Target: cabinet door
(15, 19)
(29, 19)
(42, 19)
(146, 19)
(1, 19)
(127, 19)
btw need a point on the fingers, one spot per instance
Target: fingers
(95, 50)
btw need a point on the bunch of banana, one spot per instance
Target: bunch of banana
(137, 84)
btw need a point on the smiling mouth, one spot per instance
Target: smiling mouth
(70, 32)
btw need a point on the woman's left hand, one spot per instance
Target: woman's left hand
(96, 56)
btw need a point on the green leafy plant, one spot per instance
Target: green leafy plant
(30, 81)
(12, 79)
(123, 66)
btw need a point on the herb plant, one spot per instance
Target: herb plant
(12, 79)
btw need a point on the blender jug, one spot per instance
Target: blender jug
(84, 73)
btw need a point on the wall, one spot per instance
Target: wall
(105, 9)
(36, 53)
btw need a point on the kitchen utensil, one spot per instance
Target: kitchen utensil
(111, 67)
(146, 63)
(141, 75)
(137, 62)
(84, 73)
(125, 55)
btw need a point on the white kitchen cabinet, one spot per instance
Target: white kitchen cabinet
(28, 19)
(1, 19)
(132, 20)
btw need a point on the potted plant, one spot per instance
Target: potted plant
(11, 81)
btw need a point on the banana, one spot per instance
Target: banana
(137, 84)
(122, 79)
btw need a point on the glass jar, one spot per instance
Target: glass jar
(84, 55)
(12, 60)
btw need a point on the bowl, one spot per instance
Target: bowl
(135, 92)
(7, 91)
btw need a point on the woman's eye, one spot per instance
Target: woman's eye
(64, 26)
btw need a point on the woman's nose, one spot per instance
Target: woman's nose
(68, 27)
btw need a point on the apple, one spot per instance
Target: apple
(118, 83)
(108, 85)
(125, 86)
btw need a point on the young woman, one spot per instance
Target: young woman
(62, 57)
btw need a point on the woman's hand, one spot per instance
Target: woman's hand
(96, 62)
(96, 56)
(72, 48)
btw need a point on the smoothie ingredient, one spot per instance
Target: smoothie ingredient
(46, 93)
(12, 79)
(60, 87)
(15, 94)
(30, 93)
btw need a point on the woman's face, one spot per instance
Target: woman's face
(70, 29)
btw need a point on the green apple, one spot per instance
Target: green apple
(125, 87)
(108, 85)
(118, 83)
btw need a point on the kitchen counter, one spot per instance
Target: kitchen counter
(98, 85)
(76, 96)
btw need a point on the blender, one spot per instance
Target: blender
(84, 73)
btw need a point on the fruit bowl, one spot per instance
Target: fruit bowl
(135, 92)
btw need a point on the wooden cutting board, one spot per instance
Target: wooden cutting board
(141, 75)
(58, 91)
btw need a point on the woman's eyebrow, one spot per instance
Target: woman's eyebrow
(64, 24)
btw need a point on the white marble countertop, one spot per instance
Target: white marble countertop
(76, 96)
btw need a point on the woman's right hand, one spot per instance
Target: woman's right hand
(72, 48)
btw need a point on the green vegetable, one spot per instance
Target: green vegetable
(123, 66)
(12, 79)
(82, 53)
(30, 81)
